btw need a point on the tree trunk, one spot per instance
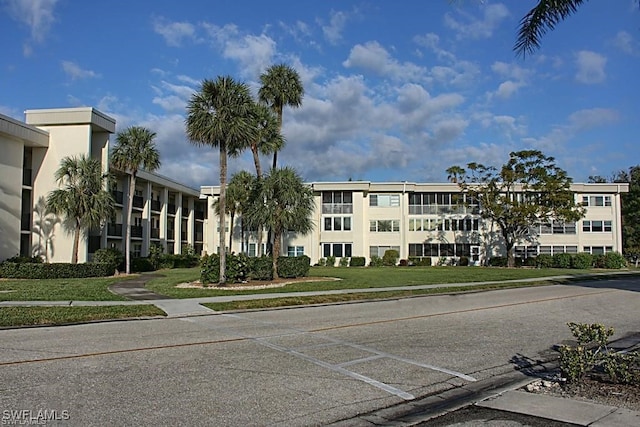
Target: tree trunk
(76, 243)
(223, 194)
(231, 233)
(256, 161)
(277, 234)
(127, 237)
(275, 152)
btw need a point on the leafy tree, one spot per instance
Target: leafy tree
(83, 199)
(268, 139)
(284, 203)
(135, 149)
(527, 190)
(220, 115)
(281, 86)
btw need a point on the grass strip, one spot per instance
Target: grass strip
(86, 289)
(25, 316)
(360, 296)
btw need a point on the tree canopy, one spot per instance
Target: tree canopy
(527, 190)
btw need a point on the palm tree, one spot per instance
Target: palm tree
(454, 173)
(83, 201)
(220, 115)
(268, 139)
(281, 86)
(543, 17)
(135, 149)
(237, 200)
(284, 203)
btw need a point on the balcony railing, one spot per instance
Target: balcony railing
(114, 230)
(155, 233)
(136, 231)
(138, 202)
(155, 205)
(118, 196)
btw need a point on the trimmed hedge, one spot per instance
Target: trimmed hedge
(498, 261)
(12, 270)
(562, 260)
(358, 261)
(582, 260)
(261, 268)
(290, 267)
(110, 256)
(421, 262)
(390, 257)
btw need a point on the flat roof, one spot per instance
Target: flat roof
(31, 136)
(69, 116)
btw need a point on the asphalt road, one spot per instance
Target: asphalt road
(289, 367)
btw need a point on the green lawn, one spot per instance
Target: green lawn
(361, 278)
(23, 316)
(90, 289)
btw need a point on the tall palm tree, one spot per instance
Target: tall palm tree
(542, 18)
(281, 86)
(83, 201)
(237, 201)
(268, 138)
(134, 150)
(220, 115)
(284, 203)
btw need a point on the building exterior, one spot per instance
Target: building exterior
(165, 212)
(419, 220)
(354, 218)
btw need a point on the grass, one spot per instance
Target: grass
(23, 316)
(360, 278)
(94, 289)
(360, 296)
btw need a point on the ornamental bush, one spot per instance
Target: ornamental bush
(290, 267)
(376, 261)
(110, 256)
(614, 260)
(582, 261)
(544, 261)
(344, 262)
(562, 260)
(12, 270)
(331, 261)
(237, 268)
(390, 257)
(498, 261)
(358, 261)
(261, 268)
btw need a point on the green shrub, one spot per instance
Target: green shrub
(390, 257)
(237, 268)
(12, 270)
(294, 266)
(376, 261)
(598, 261)
(582, 261)
(322, 262)
(544, 261)
(140, 265)
(576, 362)
(331, 261)
(358, 261)
(498, 261)
(110, 256)
(261, 268)
(210, 269)
(530, 262)
(562, 260)
(19, 259)
(463, 261)
(614, 260)
(156, 255)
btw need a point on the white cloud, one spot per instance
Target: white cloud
(472, 27)
(507, 89)
(374, 58)
(333, 31)
(625, 42)
(38, 15)
(75, 72)
(174, 32)
(590, 67)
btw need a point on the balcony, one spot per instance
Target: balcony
(26, 177)
(171, 208)
(114, 230)
(155, 233)
(171, 234)
(184, 236)
(136, 231)
(138, 202)
(155, 205)
(118, 196)
(199, 214)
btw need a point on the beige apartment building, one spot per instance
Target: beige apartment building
(165, 212)
(353, 218)
(419, 220)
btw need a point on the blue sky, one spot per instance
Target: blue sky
(394, 90)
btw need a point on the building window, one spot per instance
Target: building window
(384, 226)
(337, 223)
(596, 226)
(596, 200)
(441, 203)
(432, 224)
(337, 202)
(337, 250)
(439, 249)
(293, 251)
(597, 250)
(380, 250)
(557, 227)
(137, 250)
(384, 200)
